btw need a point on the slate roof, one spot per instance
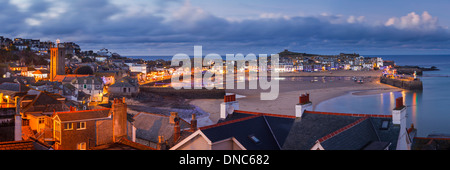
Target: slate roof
(68, 77)
(126, 82)
(122, 84)
(149, 126)
(123, 144)
(89, 80)
(23, 145)
(340, 131)
(270, 129)
(13, 87)
(431, 143)
(44, 102)
(72, 116)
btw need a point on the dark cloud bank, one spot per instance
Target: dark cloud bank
(98, 24)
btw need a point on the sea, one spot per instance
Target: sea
(428, 110)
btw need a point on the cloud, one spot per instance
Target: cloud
(413, 21)
(171, 27)
(352, 19)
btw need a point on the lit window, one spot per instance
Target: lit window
(41, 120)
(68, 126)
(81, 146)
(81, 125)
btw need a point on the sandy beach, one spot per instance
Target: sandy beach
(321, 86)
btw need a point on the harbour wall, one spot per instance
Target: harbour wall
(404, 84)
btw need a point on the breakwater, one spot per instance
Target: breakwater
(407, 84)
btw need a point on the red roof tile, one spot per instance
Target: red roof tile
(17, 145)
(332, 134)
(348, 114)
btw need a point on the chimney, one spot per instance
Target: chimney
(176, 130)
(73, 108)
(161, 145)
(133, 132)
(193, 123)
(399, 112)
(119, 109)
(399, 103)
(173, 117)
(228, 106)
(17, 122)
(303, 104)
(399, 118)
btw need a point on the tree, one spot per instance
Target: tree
(84, 70)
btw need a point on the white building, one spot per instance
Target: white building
(90, 85)
(141, 68)
(379, 62)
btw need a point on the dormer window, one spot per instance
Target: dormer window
(384, 125)
(254, 139)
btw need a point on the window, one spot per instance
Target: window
(254, 139)
(81, 146)
(81, 125)
(384, 124)
(68, 126)
(41, 120)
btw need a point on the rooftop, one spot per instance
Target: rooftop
(150, 125)
(255, 131)
(23, 145)
(70, 116)
(123, 144)
(431, 143)
(341, 131)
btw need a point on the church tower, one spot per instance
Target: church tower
(57, 60)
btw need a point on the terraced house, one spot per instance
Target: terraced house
(90, 85)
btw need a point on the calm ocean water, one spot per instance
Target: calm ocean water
(428, 110)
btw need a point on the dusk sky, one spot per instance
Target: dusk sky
(167, 27)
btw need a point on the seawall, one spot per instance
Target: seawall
(404, 84)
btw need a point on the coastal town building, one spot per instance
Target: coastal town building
(314, 130)
(41, 126)
(161, 131)
(126, 86)
(90, 85)
(105, 128)
(431, 143)
(295, 62)
(57, 61)
(307, 130)
(240, 130)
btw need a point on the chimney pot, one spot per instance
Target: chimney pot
(230, 98)
(303, 105)
(193, 123)
(173, 117)
(161, 143)
(399, 103)
(177, 132)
